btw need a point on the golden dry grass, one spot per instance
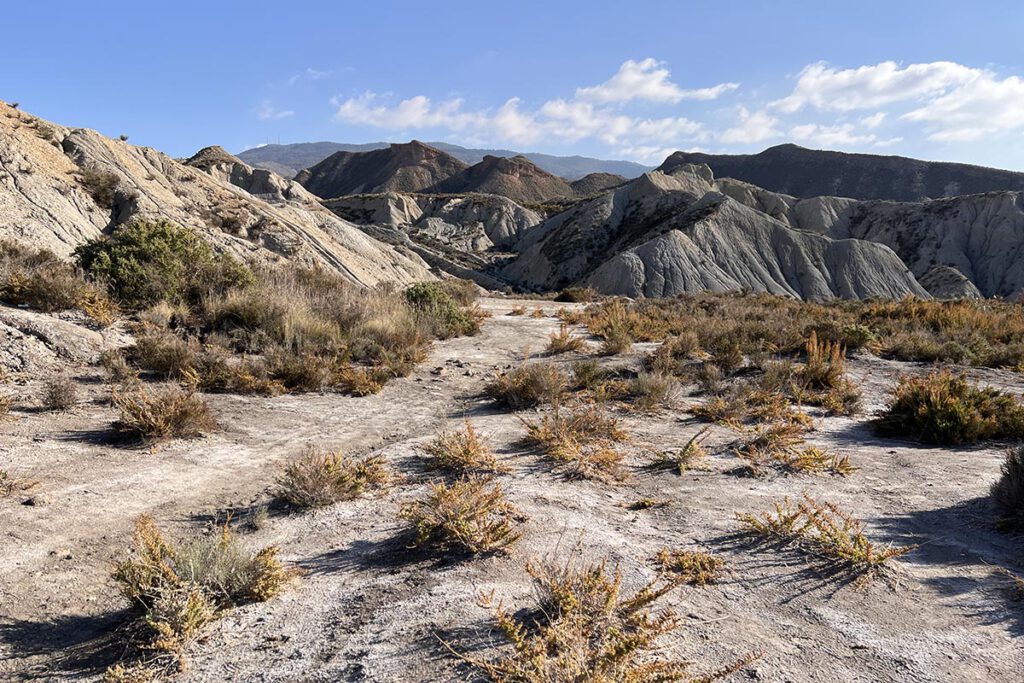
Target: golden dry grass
(470, 515)
(318, 478)
(463, 452)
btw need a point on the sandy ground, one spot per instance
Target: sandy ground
(368, 609)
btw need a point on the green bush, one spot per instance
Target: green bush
(944, 408)
(439, 311)
(145, 262)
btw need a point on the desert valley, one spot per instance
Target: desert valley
(424, 412)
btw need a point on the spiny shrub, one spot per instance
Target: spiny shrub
(529, 385)
(148, 261)
(1008, 491)
(581, 441)
(318, 478)
(178, 589)
(564, 341)
(470, 515)
(694, 567)
(651, 391)
(588, 373)
(462, 452)
(944, 408)
(162, 413)
(592, 629)
(440, 312)
(824, 530)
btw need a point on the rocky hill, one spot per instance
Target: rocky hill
(516, 178)
(596, 182)
(409, 167)
(801, 172)
(60, 187)
(673, 233)
(287, 160)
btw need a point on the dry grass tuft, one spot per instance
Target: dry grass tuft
(463, 452)
(591, 629)
(564, 341)
(60, 393)
(580, 441)
(1008, 491)
(528, 385)
(180, 588)
(694, 567)
(164, 413)
(470, 515)
(823, 530)
(10, 485)
(318, 478)
(518, 310)
(691, 456)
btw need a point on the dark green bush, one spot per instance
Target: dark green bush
(145, 262)
(439, 311)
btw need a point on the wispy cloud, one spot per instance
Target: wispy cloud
(647, 79)
(310, 74)
(267, 112)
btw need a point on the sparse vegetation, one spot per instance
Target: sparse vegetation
(318, 478)
(60, 393)
(822, 529)
(162, 413)
(177, 589)
(691, 456)
(694, 567)
(1008, 491)
(462, 452)
(528, 385)
(564, 341)
(581, 441)
(470, 515)
(40, 280)
(591, 629)
(945, 408)
(10, 484)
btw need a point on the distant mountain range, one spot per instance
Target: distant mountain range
(800, 172)
(288, 160)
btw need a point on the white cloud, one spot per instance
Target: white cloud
(873, 121)
(310, 74)
(651, 155)
(753, 127)
(869, 87)
(267, 112)
(983, 107)
(647, 79)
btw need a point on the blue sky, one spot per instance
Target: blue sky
(937, 80)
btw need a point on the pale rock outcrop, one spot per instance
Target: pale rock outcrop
(44, 201)
(946, 282)
(666, 234)
(260, 182)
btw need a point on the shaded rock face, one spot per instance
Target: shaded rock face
(946, 282)
(48, 200)
(801, 172)
(411, 167)
(675, 233)
(516, 178)
(596, 182)
(472, 223)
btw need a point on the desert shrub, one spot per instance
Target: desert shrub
(824, 530)
(162, 413)
(826, 365)
(177, 589)
(944, 408)
(462, 452)
(38, 279)
(709, 378)
(10, 484)
(1008, 491)
(651, 391)
(439, 311)
(577, 295)
(564, 341)
(148, 261)
(163, 353)
(694, 567)
(104, 186)
(588, 373)
(470, 515)
(518, 310)
(580, 441)
(318, 478)
(464, 292)
(529, 385)
(591, 629)
(60, 393)
(727, 355)
(690, 456)
(671, 356)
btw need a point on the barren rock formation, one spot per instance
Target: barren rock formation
(516, 178)
(666, 234)
(410, 167)
(60, 187)
(596, 182)
(804, 172)
(256, 181)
